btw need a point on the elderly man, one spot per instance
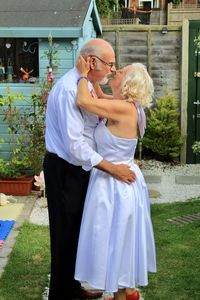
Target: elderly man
(69, 158)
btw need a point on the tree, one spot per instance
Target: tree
(106, 7)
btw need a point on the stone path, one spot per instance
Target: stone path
(182, 220)
(168, 187)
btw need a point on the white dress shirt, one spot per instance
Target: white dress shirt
(69, 130)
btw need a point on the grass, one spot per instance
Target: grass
(178, 254)
(177, 248)
(25, 274)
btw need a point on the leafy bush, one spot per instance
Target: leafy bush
(18, 162)
(33, 126)
(14, 168)
(26, 128)
(196, 147)
(163, 137)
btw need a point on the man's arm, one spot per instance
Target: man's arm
(71, 124)
(72, 128)
(121, 172)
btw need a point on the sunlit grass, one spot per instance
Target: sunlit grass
(178, 254)
(26, 272)
(177, 248)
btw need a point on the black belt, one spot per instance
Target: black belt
(52, 154)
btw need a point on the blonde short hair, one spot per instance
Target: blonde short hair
(137, 85)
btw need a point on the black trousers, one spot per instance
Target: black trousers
(66, 187)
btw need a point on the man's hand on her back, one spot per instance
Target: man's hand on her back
(123, 173)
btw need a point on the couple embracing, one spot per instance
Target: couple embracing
(99, 211)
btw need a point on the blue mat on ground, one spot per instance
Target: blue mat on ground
(5, 227)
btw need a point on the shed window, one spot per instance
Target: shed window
(19, 60)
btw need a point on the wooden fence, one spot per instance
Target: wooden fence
(158, 47)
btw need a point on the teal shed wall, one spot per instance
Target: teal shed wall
(27, 90)
(66, 54)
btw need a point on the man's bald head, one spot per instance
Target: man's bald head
(96, 47)
(102, 60)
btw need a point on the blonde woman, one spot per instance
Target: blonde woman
(116, 247)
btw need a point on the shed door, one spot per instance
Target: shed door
(193, 124)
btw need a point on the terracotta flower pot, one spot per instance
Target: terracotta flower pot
(16, 187)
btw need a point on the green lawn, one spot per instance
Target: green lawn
(178, 258)
(178, 254)
(25, 275)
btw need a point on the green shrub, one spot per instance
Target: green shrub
(14, 167)
(26, 129)
(163, 137)
(17, 163)
(196, 147)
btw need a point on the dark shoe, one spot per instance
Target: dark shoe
(82, 293)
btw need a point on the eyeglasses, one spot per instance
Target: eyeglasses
(110, 64)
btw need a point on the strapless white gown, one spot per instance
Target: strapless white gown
(116, 244)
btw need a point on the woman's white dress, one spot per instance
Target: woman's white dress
(116, 243)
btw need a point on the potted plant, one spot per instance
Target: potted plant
(26, 129)
(14, 178)
(53, 61)
(12, 182)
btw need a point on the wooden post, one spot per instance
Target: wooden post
(184, 86)
(117, 52)
(149, 49)
(169, 12)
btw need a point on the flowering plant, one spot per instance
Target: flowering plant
(196, 147)
(197, 42)
(17, 163)
(39, 181)
(52, 52)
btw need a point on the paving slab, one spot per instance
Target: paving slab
(187, 179)
(154, 194)
(25, 211)
(153, 178)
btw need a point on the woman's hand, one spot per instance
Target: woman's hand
(83, 66)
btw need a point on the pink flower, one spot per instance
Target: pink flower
(39, 181)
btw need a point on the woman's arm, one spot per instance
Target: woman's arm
(100, 92)
(102, 107)
(114, 110)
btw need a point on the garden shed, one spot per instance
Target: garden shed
(36, 35)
